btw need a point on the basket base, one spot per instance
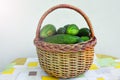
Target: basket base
(65, 65)
(64, 76)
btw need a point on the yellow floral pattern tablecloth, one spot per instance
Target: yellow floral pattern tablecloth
(103, 68)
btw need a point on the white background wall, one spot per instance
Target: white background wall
(19, 19)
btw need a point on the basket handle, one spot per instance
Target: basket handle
(63, 6)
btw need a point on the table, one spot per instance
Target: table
(103, 68)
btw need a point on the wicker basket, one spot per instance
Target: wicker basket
(65, 60)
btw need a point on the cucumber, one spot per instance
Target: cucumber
(84, 32)
(85, 38)
(61, 30)
(66, 26)
(72, 29)
(62, 39)
(47, 30)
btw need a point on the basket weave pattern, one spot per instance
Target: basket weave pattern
(65, 60)
(65, 65)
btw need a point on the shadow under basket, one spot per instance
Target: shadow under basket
(65, 60)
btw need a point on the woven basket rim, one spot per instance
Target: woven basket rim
(65, 47)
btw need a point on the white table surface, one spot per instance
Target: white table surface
(101, 69)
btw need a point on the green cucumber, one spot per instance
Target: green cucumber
(85, 38)
(61, 30)
(62, 39)
(47, 30)
(84, 32)
(72, 29)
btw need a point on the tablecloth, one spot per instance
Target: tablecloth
(105, 68)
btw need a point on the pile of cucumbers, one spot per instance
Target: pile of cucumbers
(68, 34)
